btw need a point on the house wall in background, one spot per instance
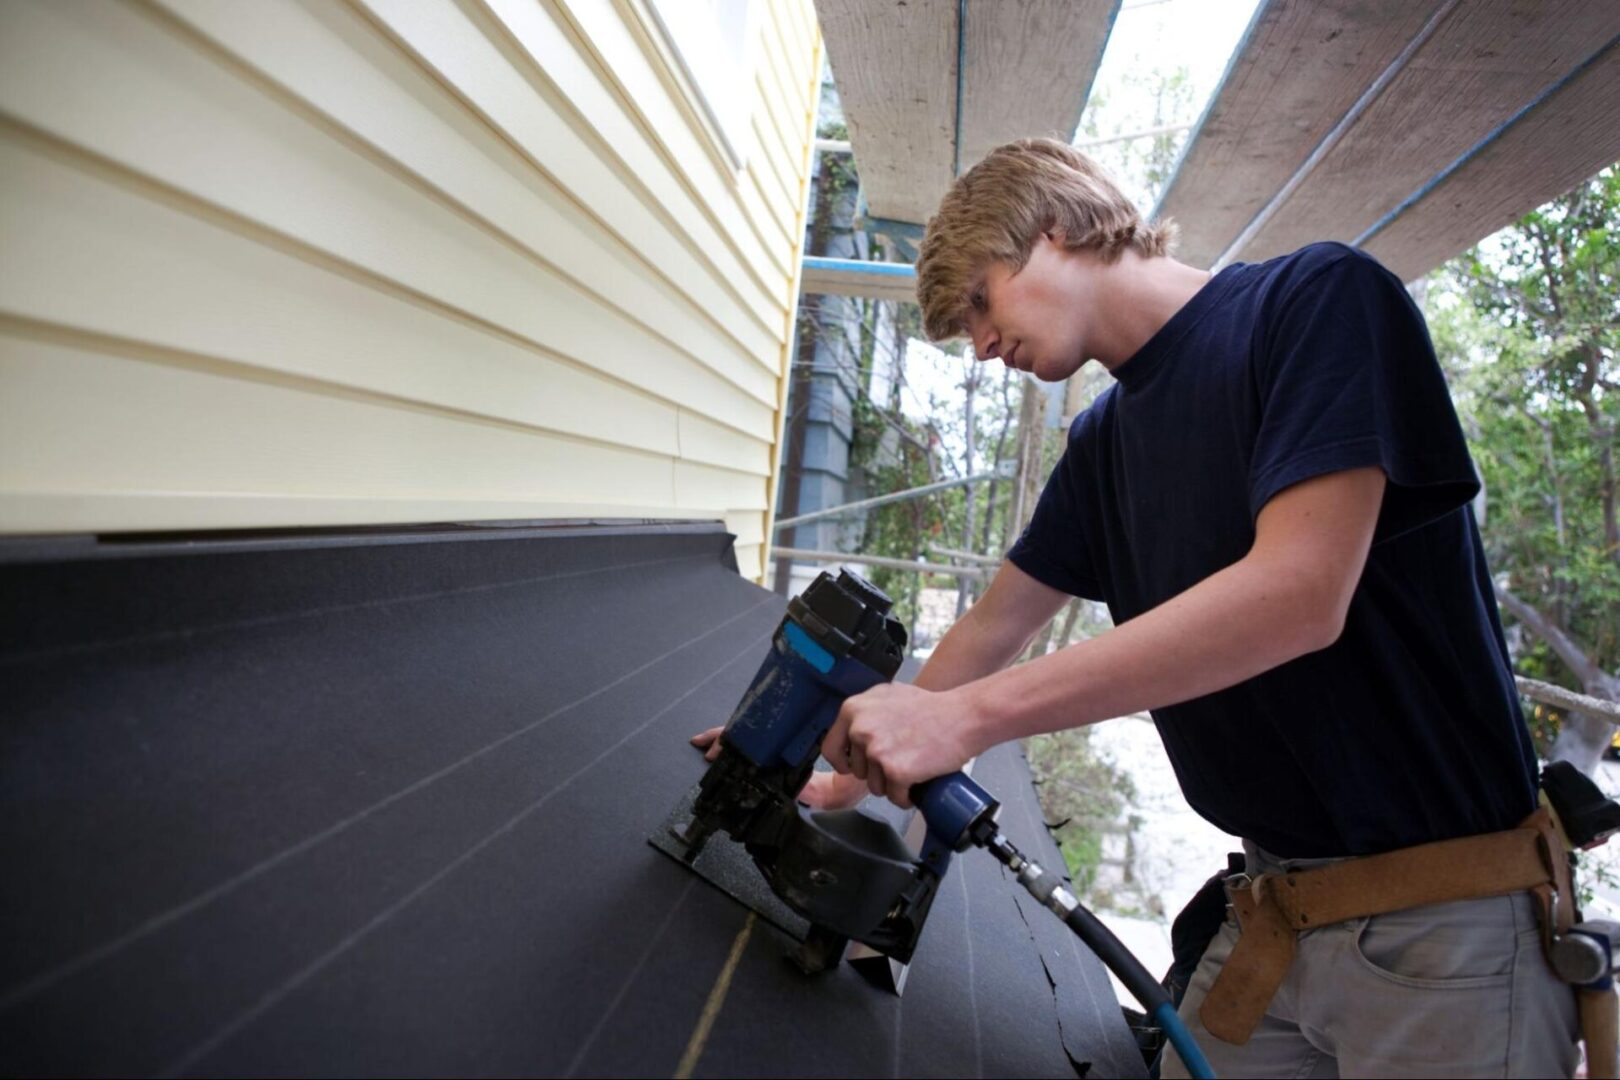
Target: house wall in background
(265, 263)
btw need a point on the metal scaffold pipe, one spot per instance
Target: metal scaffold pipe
(877, 560)
(880, 500)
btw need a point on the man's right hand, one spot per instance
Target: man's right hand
(824, 791)
(832, 791)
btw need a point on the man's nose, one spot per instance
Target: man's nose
(986, 343)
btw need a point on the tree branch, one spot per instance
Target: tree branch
(1592, 677)
(1549, 694)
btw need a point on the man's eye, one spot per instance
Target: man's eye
(978, 299)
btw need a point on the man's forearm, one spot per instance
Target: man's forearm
(974, 646)
(1287, 597)
(988, 637)
(1232, 626)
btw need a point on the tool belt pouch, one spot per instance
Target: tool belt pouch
(1258, 963)
(1597, 1009)
(1274, 909)
(1600, 1018)
(1195, 926)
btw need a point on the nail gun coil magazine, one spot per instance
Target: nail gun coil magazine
(849, 875)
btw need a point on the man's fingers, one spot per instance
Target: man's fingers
(901, 797)
(709, 742)
(857, 761)
(835, 745)
(874, 779)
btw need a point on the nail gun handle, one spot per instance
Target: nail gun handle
(952, 805)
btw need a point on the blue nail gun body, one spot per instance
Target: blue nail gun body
(849, 874)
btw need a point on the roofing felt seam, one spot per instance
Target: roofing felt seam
(715, 1001)
(25, 656)
(186, 1061)
(417, 786)
(1093, 993)
(506, 917)
(629, 980)
(973, 994)
(225, 888)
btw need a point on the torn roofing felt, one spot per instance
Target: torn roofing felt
(377, 804)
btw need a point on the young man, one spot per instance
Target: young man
(1274, 501)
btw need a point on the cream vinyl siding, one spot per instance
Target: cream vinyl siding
(266, 263)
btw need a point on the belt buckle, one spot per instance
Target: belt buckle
(1236, 883)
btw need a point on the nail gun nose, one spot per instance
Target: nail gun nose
(692, 835)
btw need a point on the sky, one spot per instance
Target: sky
(1163, 35)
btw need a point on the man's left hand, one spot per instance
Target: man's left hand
(896, 735)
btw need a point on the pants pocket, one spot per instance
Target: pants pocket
(1464, 945)
(1451, 990)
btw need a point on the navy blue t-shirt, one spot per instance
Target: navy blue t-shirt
(1405, 730)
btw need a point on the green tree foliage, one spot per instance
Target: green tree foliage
(1083, 796)
(1159, 99)
(893, 450)
(889, 460)
(1528, 324)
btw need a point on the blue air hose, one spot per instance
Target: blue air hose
(1191, 1056)
(1101, 940)
(1143, 986)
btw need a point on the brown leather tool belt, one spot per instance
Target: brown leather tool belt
(1273, 909)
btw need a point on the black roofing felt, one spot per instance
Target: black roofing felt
(377, 804)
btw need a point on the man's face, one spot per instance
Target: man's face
(1035, 319)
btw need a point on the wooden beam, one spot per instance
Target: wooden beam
(895, 66)
(1333, 116)
(1300, 66)
(1481, 67)
(854, 277)
(1559, 142)
(1028, 68)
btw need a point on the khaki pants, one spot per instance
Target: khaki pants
(1457, 989)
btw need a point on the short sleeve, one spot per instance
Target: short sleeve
(1054, 548)
(1348, 378)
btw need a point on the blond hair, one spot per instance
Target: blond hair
(996, 210)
